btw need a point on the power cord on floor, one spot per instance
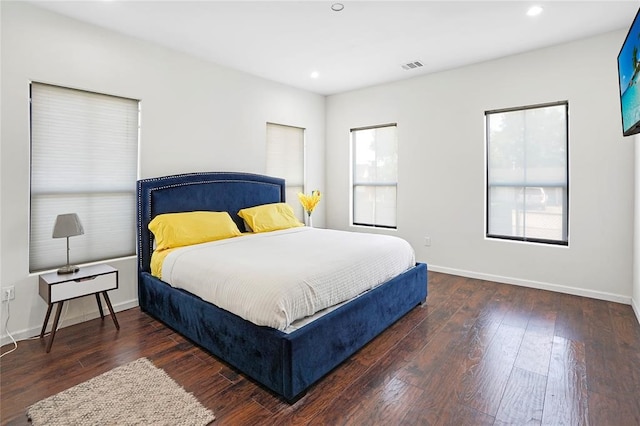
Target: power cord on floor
(15, 344)
(6, 328)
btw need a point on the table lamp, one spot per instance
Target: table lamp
(67, 225)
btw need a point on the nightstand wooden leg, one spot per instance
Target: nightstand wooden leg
(55, 326)
(113, 314)
(99, 305)
(46, 320)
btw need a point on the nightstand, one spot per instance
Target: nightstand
(56, 288)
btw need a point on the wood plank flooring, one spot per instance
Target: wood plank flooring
(478, 353)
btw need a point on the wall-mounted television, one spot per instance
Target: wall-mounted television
(629, 79)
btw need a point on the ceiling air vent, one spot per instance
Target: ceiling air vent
(412, 65)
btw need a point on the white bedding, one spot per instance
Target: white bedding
(278, 277)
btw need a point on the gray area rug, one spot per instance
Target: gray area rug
(137, 393)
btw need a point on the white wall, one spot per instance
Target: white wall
(196, 116)
(636, 247)
(441, 186)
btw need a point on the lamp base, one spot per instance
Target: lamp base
(68, 269)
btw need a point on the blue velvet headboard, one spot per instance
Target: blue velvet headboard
(207, 191)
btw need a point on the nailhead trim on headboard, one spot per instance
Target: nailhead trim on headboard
(146, 187)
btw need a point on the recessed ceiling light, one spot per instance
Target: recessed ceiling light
(315, 74)
(534, 11)
(337, 7)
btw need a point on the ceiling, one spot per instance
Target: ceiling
(363, 45)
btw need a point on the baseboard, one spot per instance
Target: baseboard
(601, 295)
(34, 332)
(636, 309)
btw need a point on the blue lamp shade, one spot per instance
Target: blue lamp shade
(67, 225)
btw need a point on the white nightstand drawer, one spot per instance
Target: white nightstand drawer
(88, 280)
(82, 287)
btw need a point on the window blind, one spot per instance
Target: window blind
(375, 175)
(528, 174)
(84, 156)
(285, 159)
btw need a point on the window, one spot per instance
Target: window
(528, 173)
(84, 156)
(375, 175)
(285, 159)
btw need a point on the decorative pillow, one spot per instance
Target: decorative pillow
(270, 217)
(183, 229)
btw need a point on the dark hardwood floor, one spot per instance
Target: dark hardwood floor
(478, 353)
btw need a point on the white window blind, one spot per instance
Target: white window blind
(375, 175)
(285, 159)
(84, 156)
(528, 174)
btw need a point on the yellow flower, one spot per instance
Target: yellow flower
(309, 202)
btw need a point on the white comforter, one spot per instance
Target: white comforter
(275, 278)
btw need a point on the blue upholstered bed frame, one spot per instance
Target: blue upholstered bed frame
(287, 364)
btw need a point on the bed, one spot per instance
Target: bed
(286, 363)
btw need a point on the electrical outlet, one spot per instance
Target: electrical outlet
(8, 293)
(427, 241)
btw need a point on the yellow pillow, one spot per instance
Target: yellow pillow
(183, 229)
(270, 217)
